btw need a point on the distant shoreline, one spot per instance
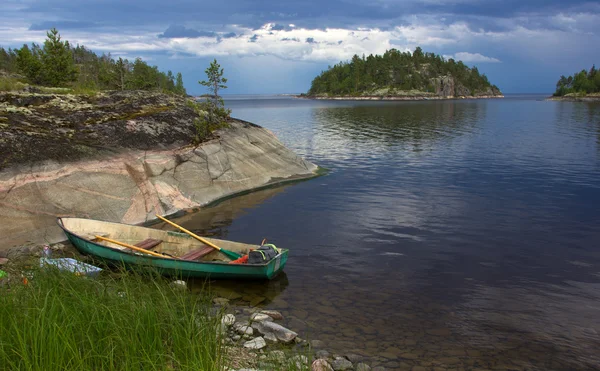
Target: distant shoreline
(399, 98)
(586, 98)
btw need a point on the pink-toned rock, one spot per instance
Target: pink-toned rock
(320, 365)
(3, 261)
(132, 185)
(273, 314)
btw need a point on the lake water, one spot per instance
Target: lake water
(457, 234)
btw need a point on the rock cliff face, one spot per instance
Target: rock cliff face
(446, 86)
(124, 169)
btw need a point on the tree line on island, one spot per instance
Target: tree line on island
(396, 71)
(57, 63)
(584, 82)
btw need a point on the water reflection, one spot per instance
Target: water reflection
(415, 124)
(458, 235)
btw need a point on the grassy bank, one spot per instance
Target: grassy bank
(59, 321)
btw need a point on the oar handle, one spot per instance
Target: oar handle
(190, 233)
(132, 247)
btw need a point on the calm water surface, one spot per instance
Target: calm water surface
(457, 234)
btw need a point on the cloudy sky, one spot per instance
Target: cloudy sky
(278, 46)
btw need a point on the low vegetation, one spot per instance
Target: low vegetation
(396, 71)
(57, 63)
(59, 321)
(582, 83)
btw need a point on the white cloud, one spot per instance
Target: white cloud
(335, 44)
(473, 57)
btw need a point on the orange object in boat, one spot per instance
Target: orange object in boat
(242, 260)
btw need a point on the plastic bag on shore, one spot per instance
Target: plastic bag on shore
(71, 265)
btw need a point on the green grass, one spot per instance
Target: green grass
(130, 322)
(10, 84)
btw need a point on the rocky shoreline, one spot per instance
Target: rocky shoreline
(123, 157)
(587, 98)
(253, 337)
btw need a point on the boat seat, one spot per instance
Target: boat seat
(197, 254)
(148, 243)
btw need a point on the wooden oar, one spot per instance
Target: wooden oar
(133, 247)
(230, 254)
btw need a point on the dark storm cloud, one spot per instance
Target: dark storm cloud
(307, 13)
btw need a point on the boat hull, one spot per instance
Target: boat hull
(175, 267)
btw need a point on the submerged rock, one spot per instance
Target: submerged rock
(341, 364)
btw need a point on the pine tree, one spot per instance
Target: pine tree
(179, 88)
(58, 66)
(29, 64)
(215, 80)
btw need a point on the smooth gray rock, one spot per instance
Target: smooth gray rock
(322, 354)
(259, 317)
(273, 314)
(270, 337)
(341, 364)
(283, 334)
(256, 343)
(243, 329)
(320, 365)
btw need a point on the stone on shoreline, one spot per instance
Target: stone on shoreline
(273, 314)
(243, 329)
(4, 261)
(281, 333)
(256, 343)
(270, 337)
(320, 365)
(228, 320)
(259, 317)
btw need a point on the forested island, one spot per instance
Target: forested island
(402, 75)
(57, 63)
(584, 85)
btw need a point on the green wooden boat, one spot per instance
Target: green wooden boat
(191, 258)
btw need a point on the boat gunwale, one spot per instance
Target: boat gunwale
(67, 231)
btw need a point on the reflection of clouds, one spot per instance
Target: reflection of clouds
(563, 318)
